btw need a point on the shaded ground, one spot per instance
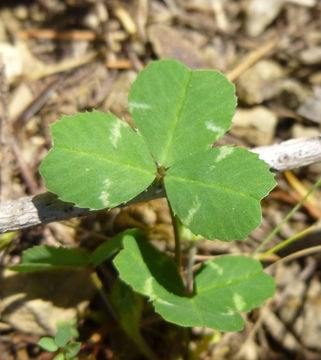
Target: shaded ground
(61, 57)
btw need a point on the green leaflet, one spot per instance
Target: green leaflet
(217, 192)
(180, 111)
(223, 287)
(45, 258)
(40, 258)
(155, 273)
(63, 335)
(72, 350)
(48, 344)
(97, 161)
(110, 247)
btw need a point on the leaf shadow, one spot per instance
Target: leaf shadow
(162, 268)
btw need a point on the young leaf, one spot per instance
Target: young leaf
(224, 287)
(48, 344)
(63, 335)
(180, 111)
(97, 161)
(217, 192)
(74, 333)
(72, 349)
(39, 258)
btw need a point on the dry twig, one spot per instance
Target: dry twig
(44, 208)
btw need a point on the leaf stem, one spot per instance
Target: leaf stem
(178, 251)
(286, 218)
(143, 346)
(190, 271)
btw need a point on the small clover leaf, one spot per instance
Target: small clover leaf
(62, 341)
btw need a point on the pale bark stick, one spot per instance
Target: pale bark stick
(291, 154)
(44, 208)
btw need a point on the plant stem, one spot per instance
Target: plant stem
(190, 271)
(143, 346)
(288, 241)
(187, 339)
(286, 218)
(178, 251)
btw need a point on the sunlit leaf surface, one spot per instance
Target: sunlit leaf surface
(97, 161)
(217, 192)
(180, 111)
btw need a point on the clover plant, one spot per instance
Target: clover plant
(98, 161)
(63, 342)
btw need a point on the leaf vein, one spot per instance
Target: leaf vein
(105, 159)
(230, 282)
(176, 119)
(215, 186)
(197, 311)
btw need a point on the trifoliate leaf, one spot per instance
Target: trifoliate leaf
(223, 287)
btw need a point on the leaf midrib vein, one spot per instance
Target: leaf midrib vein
(229, 283)
(95, 156)
(214, 186)
(176, 119)
(197, 310)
